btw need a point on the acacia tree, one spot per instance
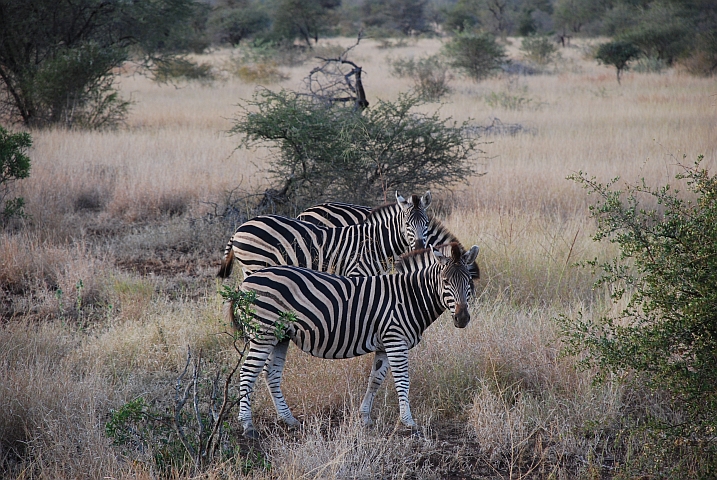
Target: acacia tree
(618, 54)
(303, 19)
(57, 56)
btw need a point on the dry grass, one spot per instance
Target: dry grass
(120, 227)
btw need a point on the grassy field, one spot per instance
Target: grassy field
(112, 278)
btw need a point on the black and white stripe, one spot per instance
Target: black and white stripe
(343, 317)
(363, 249)
(337, 214)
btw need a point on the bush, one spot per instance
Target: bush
(180, 68)
(477, 55)
(539, 49)
(328, 151)
(429, 74)
(665, 338)
(617, 54)
(14, 165)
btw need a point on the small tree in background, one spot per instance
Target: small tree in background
(665, 339)
(430, 75)
(618, 54)
(477, 55)
(539, 49)
(14, 165)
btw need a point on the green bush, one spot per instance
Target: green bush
(477, 55)
(665, 338)
(330, 151)
(181, 68)
(14, 165)
(539, 49)
(430, 75)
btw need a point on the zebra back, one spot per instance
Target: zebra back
(359, 249)
(337, 214)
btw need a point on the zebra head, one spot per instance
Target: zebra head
(415, 219)
(457, 281)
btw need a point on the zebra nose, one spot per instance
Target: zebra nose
(462, 316)
(419, 244)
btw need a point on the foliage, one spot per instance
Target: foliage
(477, 55)
(665, 337)
(617, 54)
(573, 15)
(334, 152)
(407, 17)
(430, 75)
(539, 49)
(57, 56)
(235, 20)
(301, 19)
(181, 68)
(14, 165)
(663, 33)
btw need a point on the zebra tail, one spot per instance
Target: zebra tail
(226, 269)
(228, 311)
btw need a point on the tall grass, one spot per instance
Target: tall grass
(112, 277)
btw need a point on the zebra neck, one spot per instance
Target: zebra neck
(425, 295)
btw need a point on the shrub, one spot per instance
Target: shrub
(429, 74)
(328, 151)
(14, 165)
(180, 68)
(539, 49)
(618, 54)
(665, 337)
(477, 55)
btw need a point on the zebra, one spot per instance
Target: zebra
(362, 249)
(342, 317)
(337, 214)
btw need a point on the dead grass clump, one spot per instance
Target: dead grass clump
(149, 205)
(323, 449)
(48, 428)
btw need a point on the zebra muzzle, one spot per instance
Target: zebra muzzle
(462, 316)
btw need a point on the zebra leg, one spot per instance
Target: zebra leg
(378, 373)
(273, 369)
(398, 360)
(252, 367)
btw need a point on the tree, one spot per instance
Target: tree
(234, 20)
(665, 338)
(477, 55)
(404, 16)
(14, 165)
(617, 54)
(305, 19)
(57, 56)
(573, 15)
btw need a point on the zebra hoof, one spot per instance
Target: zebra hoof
(366, 420)
(417, 433)
(292, 422)
(251, 433)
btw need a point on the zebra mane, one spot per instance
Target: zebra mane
(435, 225)
(416, 260)
(415, 200)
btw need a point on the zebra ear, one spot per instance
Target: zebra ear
(401, 201)
(426, 200)
(470, 256)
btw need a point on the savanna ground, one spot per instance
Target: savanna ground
(113, 277)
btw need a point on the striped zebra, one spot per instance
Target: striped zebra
(343, 317)
(361, 249)
(337, 214)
